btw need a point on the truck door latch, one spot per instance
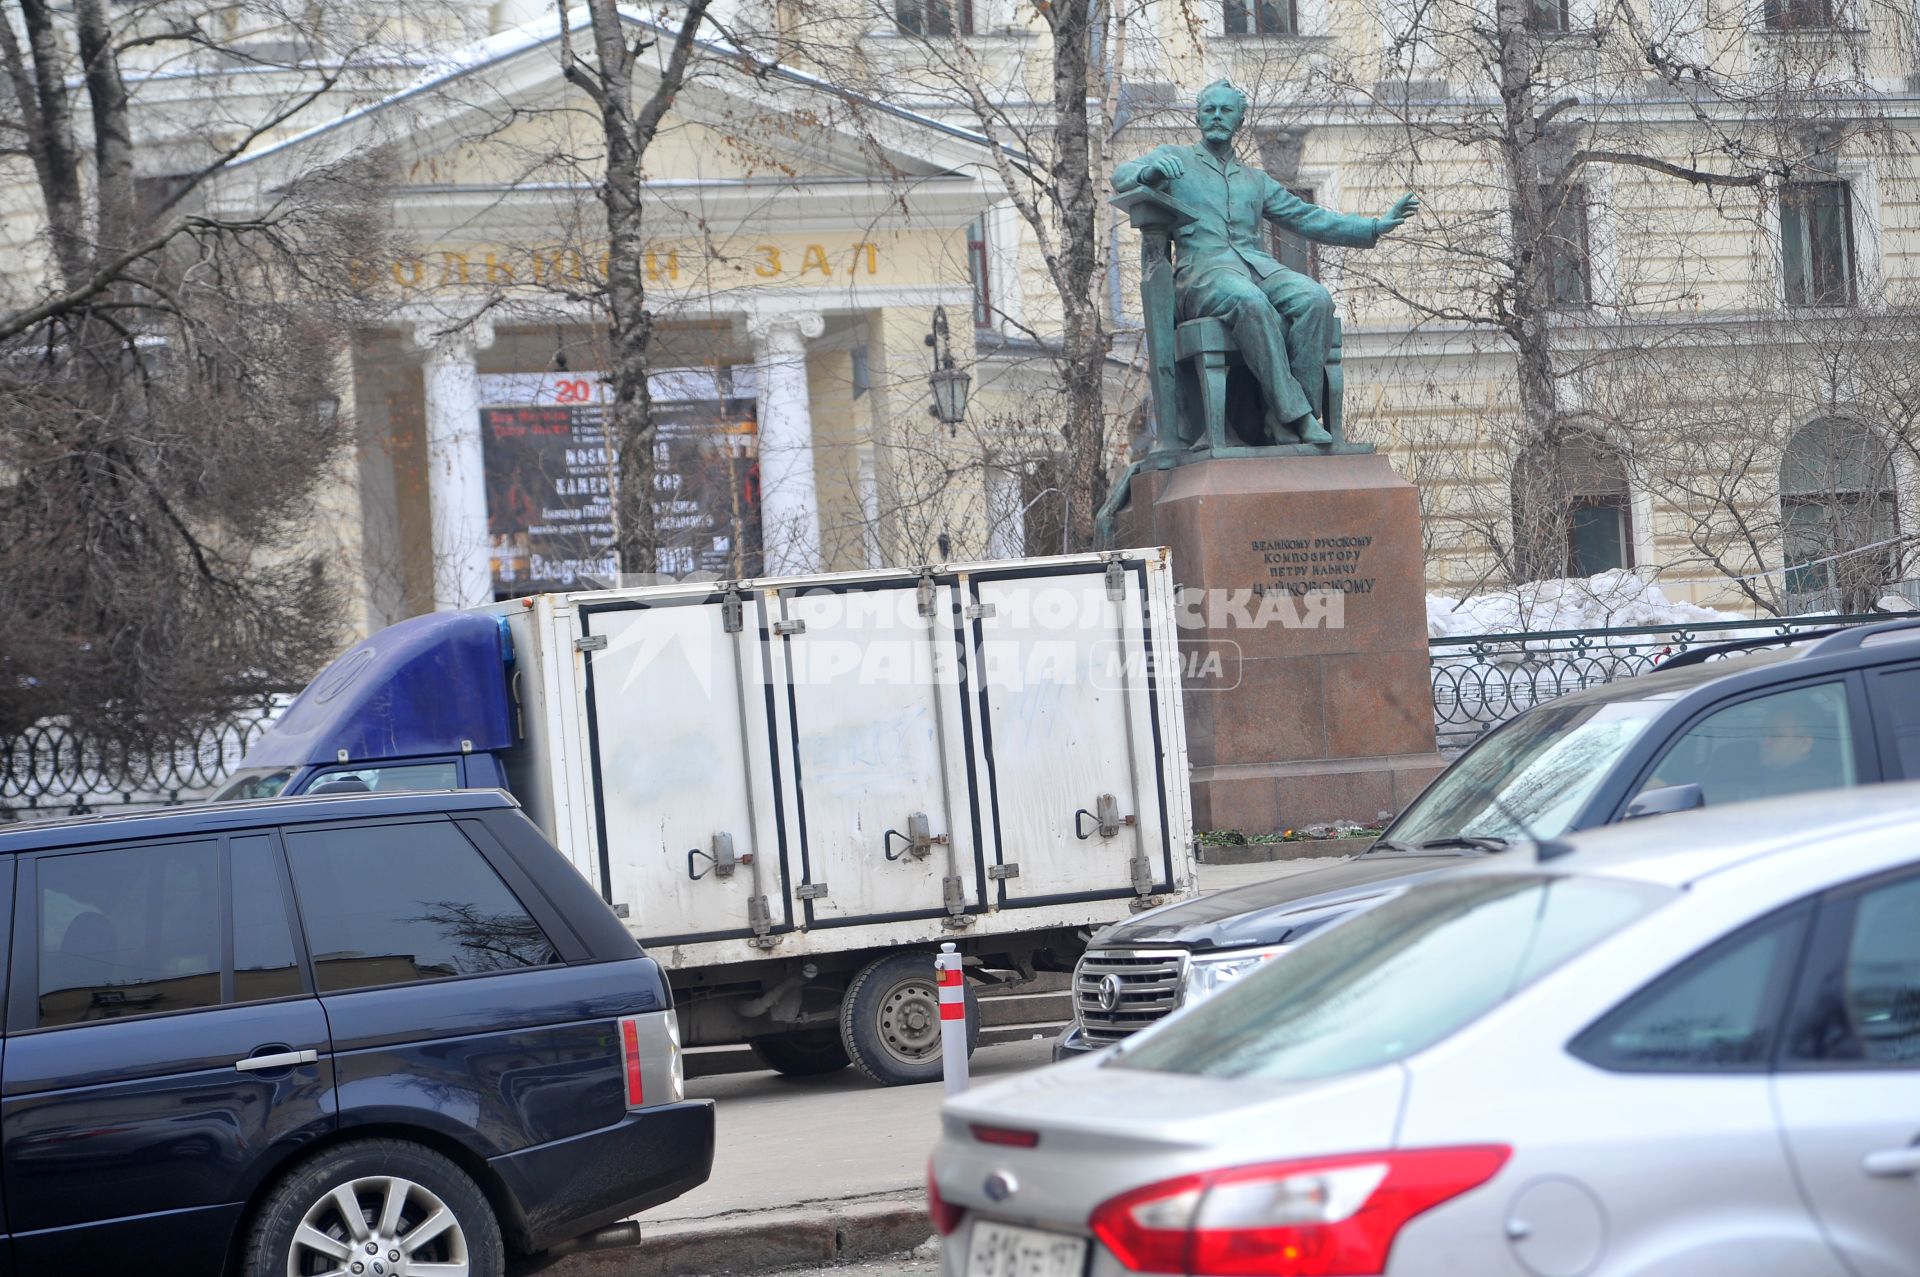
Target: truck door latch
(919, 839)
(1106, 818)
(721, 862)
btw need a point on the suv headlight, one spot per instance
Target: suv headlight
(1208, 974)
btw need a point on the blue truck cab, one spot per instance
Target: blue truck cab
(424, 704)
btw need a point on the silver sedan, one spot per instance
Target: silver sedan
(1682, 1048)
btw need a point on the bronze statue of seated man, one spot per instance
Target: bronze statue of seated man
(1281, 320)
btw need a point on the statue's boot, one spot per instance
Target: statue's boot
(1306, 429)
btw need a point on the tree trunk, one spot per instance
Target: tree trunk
(1084, 340)
(1539, 533)
(629, 130)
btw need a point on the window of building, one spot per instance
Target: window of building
(1565, 245)
(1549, 17)
(1292, 251)
(1790, 742)
(1718, 1012)
(131, 931)
(933, 17)
(1572, 509)
(1799, 15)
(979, 274)
(1836, 497)
(1816, 243)
(391, 904)
(1260, 17)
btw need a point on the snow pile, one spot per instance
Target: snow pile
(1611, 600)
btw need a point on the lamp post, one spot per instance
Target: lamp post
(948, 382)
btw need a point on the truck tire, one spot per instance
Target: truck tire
(807, 1053)
(890, 1020)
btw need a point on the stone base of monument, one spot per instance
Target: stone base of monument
(1303, 634)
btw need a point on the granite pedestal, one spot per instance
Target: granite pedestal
(1303, 634)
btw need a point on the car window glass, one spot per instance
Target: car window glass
(1866, 1006)
(1394, 980)
(387, 780)
(1897, 697)
(263, 961)
(1530, 777)
(387, 904)
(1717, 1011)
(128, 931)
(261, 782)
(1786, 743)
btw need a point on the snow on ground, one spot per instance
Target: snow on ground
(1611, 600)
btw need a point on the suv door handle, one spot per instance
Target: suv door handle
(278, 1060)
(1894, 1161)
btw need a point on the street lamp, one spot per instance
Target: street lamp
(949, 383)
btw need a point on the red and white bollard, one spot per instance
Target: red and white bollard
(953, 1017)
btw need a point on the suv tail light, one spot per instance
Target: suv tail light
(946, 1217)
(630, 1062)
(1322, 1215)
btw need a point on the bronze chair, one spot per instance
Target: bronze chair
(1205, 358)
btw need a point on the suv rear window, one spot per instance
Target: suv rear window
(1395, 980)
(393, 904)
(128, 931)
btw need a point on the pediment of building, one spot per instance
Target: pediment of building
(498, 146)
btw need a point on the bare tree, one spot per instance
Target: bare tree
(167, 397)
(630, 123)
(1557, 141)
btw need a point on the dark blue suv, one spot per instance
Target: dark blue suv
(369, 1036)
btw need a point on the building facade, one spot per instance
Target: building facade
(1711, 255)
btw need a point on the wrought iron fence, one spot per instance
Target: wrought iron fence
(1482, 680)
(1479, 681)
(53, 768)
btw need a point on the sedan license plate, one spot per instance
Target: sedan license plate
(1003, 1250)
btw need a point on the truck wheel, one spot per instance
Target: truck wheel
(890, 1020)
(803, 1054)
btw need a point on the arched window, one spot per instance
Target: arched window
(1572, 509)
(1836, 495)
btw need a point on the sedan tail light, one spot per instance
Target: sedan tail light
(945, 1216)
(1323, 1215)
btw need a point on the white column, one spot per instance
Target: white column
(456, 465)
(789, 502)
(1006, 520)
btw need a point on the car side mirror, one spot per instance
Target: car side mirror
(1665, 801)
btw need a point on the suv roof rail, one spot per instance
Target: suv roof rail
(1706, 652)
(1848, 638)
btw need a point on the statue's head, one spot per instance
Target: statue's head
(1220, 110)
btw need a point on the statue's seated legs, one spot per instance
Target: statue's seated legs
(1283, 326)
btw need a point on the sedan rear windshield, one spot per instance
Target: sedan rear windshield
(1395, 980)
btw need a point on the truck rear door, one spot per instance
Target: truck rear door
(881, 798)
(678, 719)
(1069, 702)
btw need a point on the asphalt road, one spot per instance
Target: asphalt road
(789, 1141)
(786, 1142)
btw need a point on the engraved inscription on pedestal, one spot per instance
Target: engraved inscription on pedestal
(1307, 565)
